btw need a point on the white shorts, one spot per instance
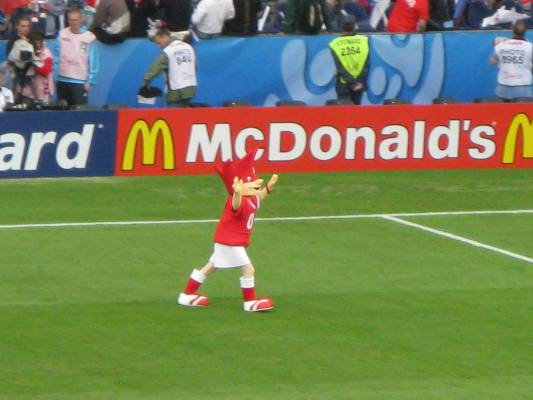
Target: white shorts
(229, 256)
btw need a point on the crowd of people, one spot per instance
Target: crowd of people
(36, 76)
(33, 74)
(115, 20)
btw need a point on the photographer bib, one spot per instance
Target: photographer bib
(515, 62)
(181, 65)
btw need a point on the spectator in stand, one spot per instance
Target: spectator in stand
(409, 16)
(56, 13)
(475, 11)
(246, 15)
(358, 9)
(307, 17)
(35, 11)
(355, 8)
(42, 82)
(209, 17)
(438, 15)
(4, 24)
(140, 11)
(9, 6)
(111, 21)
(176, 14)
(77, 65)
(6, 95)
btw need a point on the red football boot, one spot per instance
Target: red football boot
(258, 305)
(193, 300)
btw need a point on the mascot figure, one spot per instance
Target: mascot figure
(232, 234)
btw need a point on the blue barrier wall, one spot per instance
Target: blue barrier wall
(57, 143)
(263, 70)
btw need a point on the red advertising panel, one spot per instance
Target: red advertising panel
(334, 138)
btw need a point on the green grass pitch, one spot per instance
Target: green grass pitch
(366, 308)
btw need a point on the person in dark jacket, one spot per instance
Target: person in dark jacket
(140, 11)
(306, 17)
(176, 14)
(245, 21)
(438, 14)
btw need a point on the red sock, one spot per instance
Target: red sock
(248, 288)
(194, 282)
(248, 294)
(192, 286)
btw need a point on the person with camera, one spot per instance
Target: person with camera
(42, 86)
(23, 59)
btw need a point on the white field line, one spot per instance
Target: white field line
(272, 219)
(458, 238)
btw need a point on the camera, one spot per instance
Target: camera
(26, 55)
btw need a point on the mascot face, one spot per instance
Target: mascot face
(244, 170)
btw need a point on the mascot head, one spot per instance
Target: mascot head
(242, 169)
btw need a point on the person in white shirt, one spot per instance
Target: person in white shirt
(6, 95)
(209, 16)
(514, 58)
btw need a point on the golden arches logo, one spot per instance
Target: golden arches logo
(149, 136)
(520, 123)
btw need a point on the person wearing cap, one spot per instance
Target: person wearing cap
(351, 55)
(514, 58)
(178, 62)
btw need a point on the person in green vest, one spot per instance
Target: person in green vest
(351, 54)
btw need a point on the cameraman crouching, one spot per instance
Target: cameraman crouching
(22, 57)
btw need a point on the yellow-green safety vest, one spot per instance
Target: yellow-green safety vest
(352, 52)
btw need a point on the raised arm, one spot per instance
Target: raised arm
(268, 187)
(237, 197)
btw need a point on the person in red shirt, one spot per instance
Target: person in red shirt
(232, 234)
(409, 16)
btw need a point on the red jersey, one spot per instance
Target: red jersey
(406, 14)
(235, 226)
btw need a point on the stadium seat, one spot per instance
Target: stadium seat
(236, 103)
(339, 102)
(395, 102)
(84, 107)
(446, 100)
(488, 100)
(290, 103)
(523, 100)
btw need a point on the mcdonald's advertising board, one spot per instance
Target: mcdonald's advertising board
(62, 143)
(341, 138)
